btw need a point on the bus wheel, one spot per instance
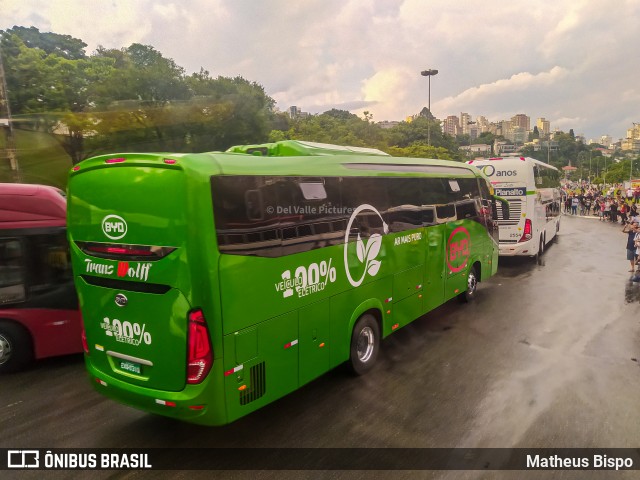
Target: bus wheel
(472, 286)
(365, 344)
(16, 351)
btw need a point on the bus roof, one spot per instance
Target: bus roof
(522, 159)
(283, 160)
(31, 206)
(289, 148)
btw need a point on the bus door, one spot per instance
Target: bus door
(435, 267)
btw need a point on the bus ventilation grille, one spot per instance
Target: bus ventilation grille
(258, 385)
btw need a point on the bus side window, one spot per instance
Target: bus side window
(446, 213)
(406, 205)
(12, 281)
(254, 204)
(466, 209)
(435, 201)
(358, 191)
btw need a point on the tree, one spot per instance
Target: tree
(421, 150)
(486, 138)
(535, 134)
(63, 46)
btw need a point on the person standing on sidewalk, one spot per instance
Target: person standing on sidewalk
(613, 212)
(574, 205)
(631, 229)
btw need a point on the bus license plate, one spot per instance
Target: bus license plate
(130, 367)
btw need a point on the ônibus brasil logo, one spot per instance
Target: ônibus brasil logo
(367, 253)
(114, 227)
(458, 249)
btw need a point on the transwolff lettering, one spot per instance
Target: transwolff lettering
(100, 268)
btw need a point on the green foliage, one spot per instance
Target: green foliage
(63, 46)
(127, 99)
(418, 150)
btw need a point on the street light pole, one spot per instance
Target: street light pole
(429, 73)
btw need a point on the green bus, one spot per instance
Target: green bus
(213, 284)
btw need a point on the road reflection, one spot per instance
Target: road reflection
(632, 292)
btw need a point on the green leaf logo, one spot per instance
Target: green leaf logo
(368, 252)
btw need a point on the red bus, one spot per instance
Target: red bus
(39, 315)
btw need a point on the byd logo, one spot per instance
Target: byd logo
(458, 249)
(114, 227)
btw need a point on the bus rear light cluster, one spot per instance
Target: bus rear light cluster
(122, 251)
(85, 345)
(199, 351)
(528, 231)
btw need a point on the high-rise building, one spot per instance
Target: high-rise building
(296, 112)
(521, 120)
(632, 142)
(483, 124)
(544, 127)
(465, 121)
(451, 125)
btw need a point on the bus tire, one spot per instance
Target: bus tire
(16, 350)
(365, 344)
(470, 294)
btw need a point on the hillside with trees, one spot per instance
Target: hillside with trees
(136, 99)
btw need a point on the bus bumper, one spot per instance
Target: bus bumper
(517, 249)
(189, 405)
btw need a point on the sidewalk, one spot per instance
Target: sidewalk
(591, 217)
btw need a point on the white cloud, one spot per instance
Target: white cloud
(567, 61)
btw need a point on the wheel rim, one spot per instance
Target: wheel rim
(365, 347)
(472, 283)
(5, 350)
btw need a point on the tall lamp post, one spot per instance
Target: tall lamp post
(429, 73)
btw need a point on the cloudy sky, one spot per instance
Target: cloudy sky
(573, 62)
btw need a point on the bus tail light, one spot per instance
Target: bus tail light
(119, 251)
(528, 231)
(85, 345)
(199, 351)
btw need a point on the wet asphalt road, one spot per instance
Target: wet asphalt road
(547, 356)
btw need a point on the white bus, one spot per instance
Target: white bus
(532, 189)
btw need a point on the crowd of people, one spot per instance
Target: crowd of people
(612, 204)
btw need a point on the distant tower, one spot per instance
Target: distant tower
(7, 127)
